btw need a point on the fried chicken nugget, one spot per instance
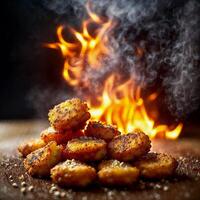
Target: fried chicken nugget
(71, 114)
(129, 146)
(30, 146)
(114, 172)
(39, 162)
(101, 131)
(85, 149)
(156, 165)
(50, 134)
(73, 173)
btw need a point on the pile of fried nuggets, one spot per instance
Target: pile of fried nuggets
(75, 153)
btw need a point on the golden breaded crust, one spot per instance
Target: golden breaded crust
(30, 146)
(101, 131)
(50, 134)
(156, 165)
(129, 146)
(86, 149)
(114, 172)
(39, 162)
(71, 114)
(73, 173)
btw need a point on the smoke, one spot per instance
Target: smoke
(61, 7)
(44, 99)
(167, 33)
(182, 80)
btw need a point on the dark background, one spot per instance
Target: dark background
(31, 80)
(28, 67)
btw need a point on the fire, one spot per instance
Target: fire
(86, 51)
(120, 103)
(126, 109)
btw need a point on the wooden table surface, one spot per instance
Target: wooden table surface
(184, 185)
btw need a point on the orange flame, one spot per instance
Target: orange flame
(126, 110)
(86, 49)
(119, 104)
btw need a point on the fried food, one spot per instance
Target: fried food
(73, 173)
(50, 134)
(39, 162)
(129, 146)
(101, 131)
(30, 146)
(114, 172)
(156, 165)
(71, 114)
(86, 149)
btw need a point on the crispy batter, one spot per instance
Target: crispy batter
(156, 165)
(30, 146)
(50, 134)
(114, 172)
(101, 131)
(73, 173)
(71, 114)
(129, 146)
(86, 149)
(40, 162)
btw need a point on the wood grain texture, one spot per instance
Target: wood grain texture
(184, 185)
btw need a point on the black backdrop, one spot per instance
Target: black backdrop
(26, 66)
(28, 70)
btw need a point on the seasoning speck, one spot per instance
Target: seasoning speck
(23, 190)
(15, 185)
(157, 186)
(10, 177)
(57, 193)
(165, 188)
(62, 194)
(30, 188)
(21, 177)
(110, 195)
(53, 188)
(23, 184)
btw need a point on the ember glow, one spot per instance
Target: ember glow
(120, 102)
